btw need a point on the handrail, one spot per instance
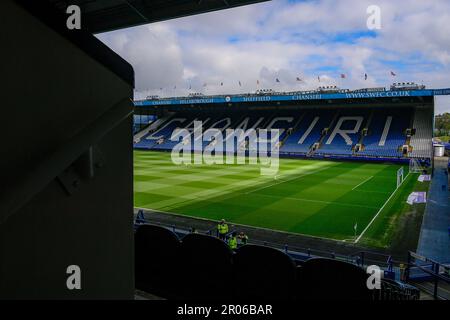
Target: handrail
(306, 251)
(434, 272)
(31, 182)
(431, 273)
(393, 290)
(390, 289)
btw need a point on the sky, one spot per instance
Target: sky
(284, 39)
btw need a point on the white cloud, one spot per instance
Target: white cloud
(281, 39)
(153, 51)
(442, 104)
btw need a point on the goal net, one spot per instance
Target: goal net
(415, 166)
(400, 176)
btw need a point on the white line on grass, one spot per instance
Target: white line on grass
(318, 201)
(234, 224)
(362, 182)
(381, 209)
(283, 181)
(372, 191)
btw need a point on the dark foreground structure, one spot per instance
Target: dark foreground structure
(67, 188)
(66, 192)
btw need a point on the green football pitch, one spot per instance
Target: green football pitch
(312, 197)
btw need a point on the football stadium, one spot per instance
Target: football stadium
(338, 175)
(350, 163)
(200, 161)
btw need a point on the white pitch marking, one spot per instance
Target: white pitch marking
(283, 181)
(362, 183)
(320, 201)
(379, 211)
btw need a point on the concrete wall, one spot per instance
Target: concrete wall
(52, 91)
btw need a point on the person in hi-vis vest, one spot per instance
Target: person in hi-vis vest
(222, 229)
(232, 241)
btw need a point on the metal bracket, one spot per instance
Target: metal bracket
(83, 169)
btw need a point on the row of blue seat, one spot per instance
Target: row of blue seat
(309, 122)
(201, 267)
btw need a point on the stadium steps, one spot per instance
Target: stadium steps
(287, 134)
(411, 126)
(330, 128)
(235, 122)
(375, 122)
(365, 126)
(311, 151)
(421, 141)
(298, 121)
(324, 134)
(267, 121)
(138, 136)
(294, 129)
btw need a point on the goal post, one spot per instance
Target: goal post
(415, 166)
(400, 176)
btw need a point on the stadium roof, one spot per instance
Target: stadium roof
(108, 15)
(299, 97)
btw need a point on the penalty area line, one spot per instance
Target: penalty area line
(359, 185)
(381, 209)
(287, 180)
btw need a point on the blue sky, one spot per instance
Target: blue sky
(287, 39)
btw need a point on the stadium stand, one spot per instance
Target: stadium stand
(141, 121)
(244, 122)
(335, 143)
(160, 133)
(309, 132)
(374, 133)
(386, 134)
(146, 130)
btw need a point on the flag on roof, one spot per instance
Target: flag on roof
(343, 76)
(298, 79)
(365, 76)
(257, 82)
(277, 80)
(240, 84)
(393, 74)
(318, 78)
(221, 83)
